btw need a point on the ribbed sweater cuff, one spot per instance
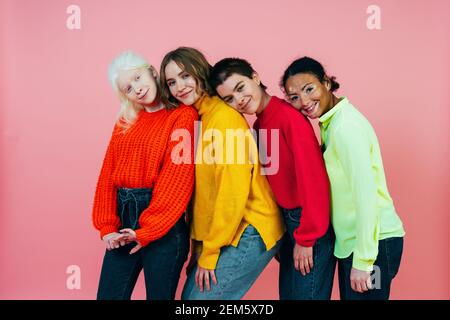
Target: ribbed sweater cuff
(107, 230)
(208, 261)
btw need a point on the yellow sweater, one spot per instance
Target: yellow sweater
(230, 192)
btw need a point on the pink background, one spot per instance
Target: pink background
(57, 112)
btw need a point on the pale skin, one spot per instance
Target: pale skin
(247, 96)
(139, 86)
(313, 98)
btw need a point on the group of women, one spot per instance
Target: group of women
(324, 205)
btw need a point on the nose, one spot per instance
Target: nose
(180, 85)
(240, 100)
(137, 89)
(304, 101)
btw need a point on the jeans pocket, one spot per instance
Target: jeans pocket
(394, 250)
(293, 215)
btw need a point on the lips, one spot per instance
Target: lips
(184, 95)
(142, 97)
(311, 108)
(245, 105)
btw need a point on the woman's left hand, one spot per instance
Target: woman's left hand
(129, 235)
(204, 275)
(360, 280)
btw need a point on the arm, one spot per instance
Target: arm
(104, 215)
(312, 180)
(232, 182)
(353, 149)
(173, 186)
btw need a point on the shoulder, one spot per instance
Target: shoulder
(350, 121)
(183, 112)
(225, 117)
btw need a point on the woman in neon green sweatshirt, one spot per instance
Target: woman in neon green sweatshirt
(369, 233)
(236, 224)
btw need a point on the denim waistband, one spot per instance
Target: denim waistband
(133, 196)
(133, 191)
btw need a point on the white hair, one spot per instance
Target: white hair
(127, 60)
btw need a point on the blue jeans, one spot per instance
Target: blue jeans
(386, 267)
(162, 260)
(316, 285)
(236, 270)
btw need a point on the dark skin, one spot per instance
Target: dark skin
(309, 95)
(313, 99)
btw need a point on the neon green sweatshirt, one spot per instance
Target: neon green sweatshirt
(362, 210)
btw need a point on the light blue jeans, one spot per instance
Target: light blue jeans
(236, 270)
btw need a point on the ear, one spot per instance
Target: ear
(255, 78)
(153, 72)
(327, 83)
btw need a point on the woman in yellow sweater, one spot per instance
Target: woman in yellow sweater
(236, 223)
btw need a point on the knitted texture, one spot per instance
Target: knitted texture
(140, 157)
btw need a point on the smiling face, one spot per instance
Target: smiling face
(307, 94)
(138, 85)
(182, 85)
(242, 93)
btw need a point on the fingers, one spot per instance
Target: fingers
(136, 249)
(369, 283)
(115, 244)
(213, 277)
(200, 281)
(311, 261)
(302, 266)
(360, 285)
(197, 275)
(297, 263)
(207, 284)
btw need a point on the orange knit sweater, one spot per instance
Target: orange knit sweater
(140, 157)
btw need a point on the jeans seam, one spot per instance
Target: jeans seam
(313, 282)
(230, 275)
(176, 257)
(128, 280)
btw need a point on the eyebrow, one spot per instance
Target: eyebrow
(179, 74)
(237, 85)
(306, 85)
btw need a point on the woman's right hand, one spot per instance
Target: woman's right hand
(111, 241)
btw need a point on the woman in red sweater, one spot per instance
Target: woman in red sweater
(297, 176)
(144, 186)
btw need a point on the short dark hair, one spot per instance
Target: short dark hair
(225, 68)
(311, 66)
(193, 62)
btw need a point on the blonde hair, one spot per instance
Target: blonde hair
(127, 60)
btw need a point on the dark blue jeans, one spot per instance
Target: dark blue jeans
(162, 260)
(316, 285)
(386, 267)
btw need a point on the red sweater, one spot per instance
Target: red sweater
(301, 180)
(140, 157)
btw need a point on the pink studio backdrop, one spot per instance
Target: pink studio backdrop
(57, 112)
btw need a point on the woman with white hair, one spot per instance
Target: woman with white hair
(144, 186)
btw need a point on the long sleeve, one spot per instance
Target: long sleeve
(312, 182)
(173, 186)
(353, 149)
(104, 214)
(232, 182)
